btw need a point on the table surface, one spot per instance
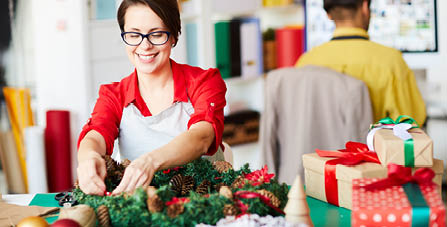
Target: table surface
(321, 213)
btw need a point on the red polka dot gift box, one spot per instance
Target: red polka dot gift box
(377, 202)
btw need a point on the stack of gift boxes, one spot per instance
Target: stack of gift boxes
(392, 181)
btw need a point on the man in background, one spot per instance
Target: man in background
(391, 84)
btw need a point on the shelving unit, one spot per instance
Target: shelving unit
(241, 92)
(206, 12)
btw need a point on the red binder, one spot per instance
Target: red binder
(289, 45)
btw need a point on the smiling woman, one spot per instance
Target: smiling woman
(164, 114)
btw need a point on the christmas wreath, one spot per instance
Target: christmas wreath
(198, 192)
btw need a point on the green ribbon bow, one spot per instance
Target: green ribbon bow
(400, 119)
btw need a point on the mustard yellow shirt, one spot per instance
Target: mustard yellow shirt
(391, 84)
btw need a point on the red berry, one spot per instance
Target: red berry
(65, 223)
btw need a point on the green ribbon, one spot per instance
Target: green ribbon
(408, 144)
(420, 209)
(400, 119)
(409, 152)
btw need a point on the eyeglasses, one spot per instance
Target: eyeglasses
(155, 38)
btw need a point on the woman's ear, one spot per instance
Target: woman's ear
(173, 42)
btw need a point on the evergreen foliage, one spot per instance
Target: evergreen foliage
(132, 210)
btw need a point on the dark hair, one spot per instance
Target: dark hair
(167, 10)
(349, 4)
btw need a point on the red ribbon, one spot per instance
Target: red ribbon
(252, 195)
(399, 175)
(354, 154)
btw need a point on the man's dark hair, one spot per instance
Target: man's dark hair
(167, 10)
(348, 4)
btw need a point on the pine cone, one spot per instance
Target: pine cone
(155, 204)
(111, 165)
(226, 192)
(203, 187)
(219, 185)
(188, 184)
(151, 191)
(182, 184)
(273, 199)
(222, 166)
(239, 182)
(103, 216)
(176, 183)
(125, 163)
(229, 210)
(117, 176)
(175, 209)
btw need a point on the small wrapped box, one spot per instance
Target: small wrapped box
(314, 175)
(392, 149)
(409, 204)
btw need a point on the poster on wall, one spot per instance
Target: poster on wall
(407, 25)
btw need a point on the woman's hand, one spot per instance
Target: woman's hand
(139, 173)
(91, 173)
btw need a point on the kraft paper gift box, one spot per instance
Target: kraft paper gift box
(409, 204)
(391, 149)
(401, 142)
(314, 177)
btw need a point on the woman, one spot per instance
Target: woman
(164, 114)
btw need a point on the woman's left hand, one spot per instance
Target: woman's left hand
(139, 173)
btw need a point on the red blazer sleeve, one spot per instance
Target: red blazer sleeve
(208, 100)
(106, 116)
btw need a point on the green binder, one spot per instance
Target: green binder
(223, 50)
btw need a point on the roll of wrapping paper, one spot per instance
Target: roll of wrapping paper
(18, 102)
(289, 45)
(11, 164)
(35, 159)
(58, 150)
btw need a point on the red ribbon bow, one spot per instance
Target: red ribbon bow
(355, 153)
(252, 195)
(399, 175)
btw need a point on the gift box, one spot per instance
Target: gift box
(314, 176)
(401, 142)
(390, 148)
(406, 204)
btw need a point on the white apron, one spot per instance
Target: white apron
(139, 134)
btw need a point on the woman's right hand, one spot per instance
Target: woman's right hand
(91, 174)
